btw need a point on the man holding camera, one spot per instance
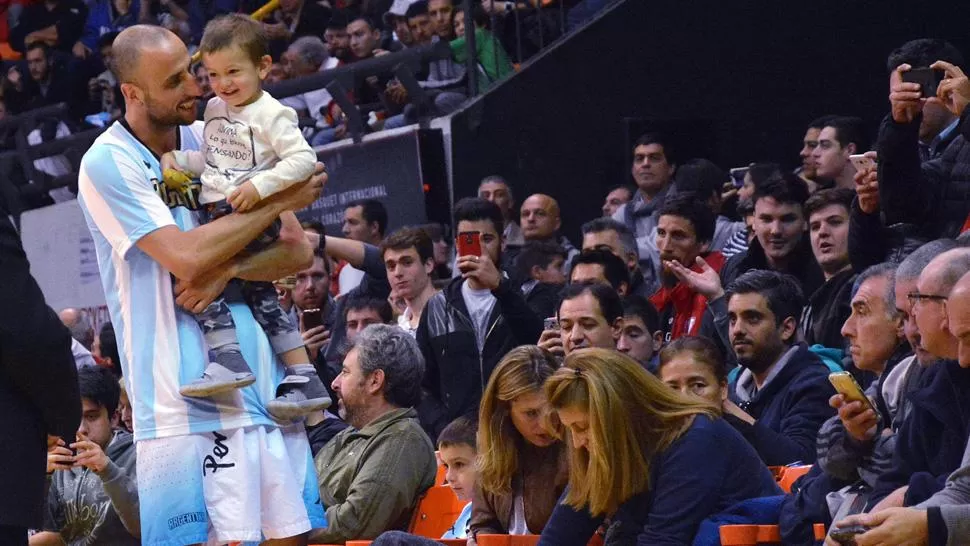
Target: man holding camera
(943, 183)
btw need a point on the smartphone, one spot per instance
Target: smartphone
(551, 323)
(469, 243)
(861, 162)
(846, 535)
(928, 79)
(312, 318)
(738, 174)
(847, 386)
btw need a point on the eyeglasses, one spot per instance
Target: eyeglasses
(916, 297)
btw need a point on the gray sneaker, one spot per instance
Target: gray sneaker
(230, 373)
(298, 395)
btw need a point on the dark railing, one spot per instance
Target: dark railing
(23, 186)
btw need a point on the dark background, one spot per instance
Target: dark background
(740, 80)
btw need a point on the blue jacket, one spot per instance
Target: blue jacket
(788, 411)
(931, 441)
(707, 470)
(102, 19)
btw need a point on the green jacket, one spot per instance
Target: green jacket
(493, 62)
(370, 479)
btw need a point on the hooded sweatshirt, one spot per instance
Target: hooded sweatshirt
(89, 508)
(789, 408)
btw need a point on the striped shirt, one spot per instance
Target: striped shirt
(161, 346)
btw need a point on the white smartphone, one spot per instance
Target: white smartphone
(861, 162)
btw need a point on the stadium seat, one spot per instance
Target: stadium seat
(508, 540)
(436, 513)
(790, 474)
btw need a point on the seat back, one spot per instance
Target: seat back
(790, 474)
(436, 513)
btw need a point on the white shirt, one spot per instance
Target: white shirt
(260, 143)
(479, 304)
(404, 322)
(314, 101)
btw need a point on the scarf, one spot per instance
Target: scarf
(688, 306)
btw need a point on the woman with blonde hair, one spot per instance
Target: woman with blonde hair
(522, 465)
(653, 461)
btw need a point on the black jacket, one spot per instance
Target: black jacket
(872, 242)
(38, 384)
(933, 437)
(934, 195)
(543, 299)
(803, 266)
(827, 310)
(69, 17)
(455, 372)
(789, 410)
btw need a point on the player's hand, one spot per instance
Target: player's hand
(59, 457)
(89, 454)
(244, 197)
(195, 295)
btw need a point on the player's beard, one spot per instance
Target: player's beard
(167, 117)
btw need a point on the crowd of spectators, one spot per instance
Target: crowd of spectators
(639, 386)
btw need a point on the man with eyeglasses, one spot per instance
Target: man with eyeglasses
(932, 438)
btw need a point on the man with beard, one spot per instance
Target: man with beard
(372, 473)
(472, 323)
(781, 397)
(685, 230)
(148, 241)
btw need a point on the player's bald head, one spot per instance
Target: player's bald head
(134, 44)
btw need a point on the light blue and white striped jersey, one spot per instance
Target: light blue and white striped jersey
(161, 346)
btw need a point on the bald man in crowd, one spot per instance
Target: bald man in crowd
(216, 470)
(540, 220)
(82, 335)
(944, 518)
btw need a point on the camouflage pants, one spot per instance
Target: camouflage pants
(214, 211)
(216, 320)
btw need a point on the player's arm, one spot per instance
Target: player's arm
(188, 254)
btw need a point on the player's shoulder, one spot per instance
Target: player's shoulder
(112, 147)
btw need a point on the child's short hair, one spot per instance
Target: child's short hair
(461, 431)
(235, 29)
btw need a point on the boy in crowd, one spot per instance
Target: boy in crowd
(98, 509)
(457, 452)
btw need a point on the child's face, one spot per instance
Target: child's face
(459, 461)
(233, 75)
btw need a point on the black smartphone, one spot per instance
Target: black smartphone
(846, 535)
(928, 79)
(312, 318)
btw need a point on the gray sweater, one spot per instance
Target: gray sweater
(954, 506)
(89, 508)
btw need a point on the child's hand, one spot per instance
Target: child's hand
(244, 198)
(168, 162)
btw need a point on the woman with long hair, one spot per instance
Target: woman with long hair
(522, 465)
(651, 460)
